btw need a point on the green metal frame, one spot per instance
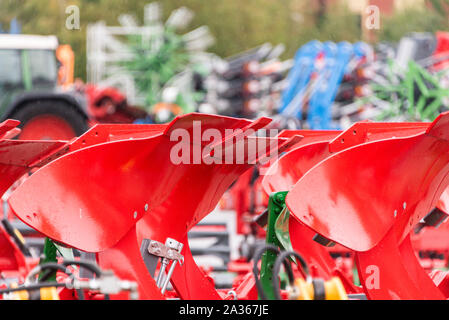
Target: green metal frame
(276, 206)
(50, 253)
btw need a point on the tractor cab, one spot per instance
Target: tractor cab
(28, 62)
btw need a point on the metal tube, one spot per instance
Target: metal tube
(167, 279)
(161, 272)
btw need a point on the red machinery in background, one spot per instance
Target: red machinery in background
(317, 250)
(130, 158)
(109, 105)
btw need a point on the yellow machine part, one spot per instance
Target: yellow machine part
(19, 236)
(334, 289)
(49, 294)
(19, 295)
(44, 294)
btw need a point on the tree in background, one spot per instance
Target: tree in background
(411, 20)
(237, 25)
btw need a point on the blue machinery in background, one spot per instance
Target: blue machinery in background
(315, 79)
(299, 78)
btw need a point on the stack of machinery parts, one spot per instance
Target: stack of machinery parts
(151, 63)
(411, 86)
(248, 84)
(334, 85)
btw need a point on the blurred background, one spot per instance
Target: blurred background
(172, 57)
(238, 25)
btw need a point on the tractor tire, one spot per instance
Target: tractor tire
(49, 120)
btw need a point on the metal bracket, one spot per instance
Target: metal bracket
(168, 252)
(171, 250)
(323, 241)
(433, 219)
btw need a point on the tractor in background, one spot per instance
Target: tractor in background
(37, 87)
(31, 93)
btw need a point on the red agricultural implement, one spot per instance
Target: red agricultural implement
(128, 160)
(126, 196)
(389, 185)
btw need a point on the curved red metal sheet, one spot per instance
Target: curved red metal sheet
(405, 279)
(140, 171)
(210, 121)
(416, 272)
(443, 202)
(310, 136)
(291, 167)
(102, 191)
(194, 196)
(364, 131)
(11, 258)
(334, 194)
(288, 169)
(376, 284)
(125, 260)
(392, 271)
(317, 145)
(17, 157)
(317, 257)
(282, 176)
(190, 282)
(8, 126)
(86, 192)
